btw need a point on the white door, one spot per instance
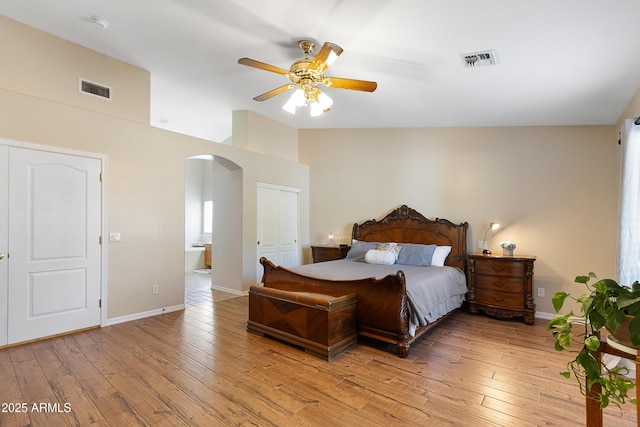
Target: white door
(54, 243)
(278, 226)
(4, 241)
(268, 228)
(289, 229)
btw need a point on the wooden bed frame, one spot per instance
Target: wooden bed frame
(382, 311)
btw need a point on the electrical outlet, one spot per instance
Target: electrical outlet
(154, 289)
(541, 292)
(480, 244)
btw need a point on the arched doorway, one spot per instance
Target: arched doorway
(213, 224)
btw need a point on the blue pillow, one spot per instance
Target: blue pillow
(359, 249)
(415, 254)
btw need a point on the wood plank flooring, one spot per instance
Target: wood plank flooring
(201, 367)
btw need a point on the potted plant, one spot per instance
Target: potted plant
(605, 304)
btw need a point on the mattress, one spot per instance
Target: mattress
(432, 292)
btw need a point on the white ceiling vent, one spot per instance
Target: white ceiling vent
(479, 59)
(95, 89)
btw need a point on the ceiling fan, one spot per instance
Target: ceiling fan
(306, 74)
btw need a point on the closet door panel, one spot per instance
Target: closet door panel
(289, 228)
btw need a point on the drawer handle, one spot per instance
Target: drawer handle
(499, 268)
(498, 299)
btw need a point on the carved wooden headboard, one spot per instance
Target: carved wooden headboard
(406, 225)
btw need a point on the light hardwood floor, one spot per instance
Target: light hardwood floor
(201, 367)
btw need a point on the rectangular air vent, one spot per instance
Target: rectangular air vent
(479, 59)
(95, 89)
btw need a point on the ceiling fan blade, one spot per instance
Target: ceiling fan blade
(325, 56)
(352, 84)
(274, 92)
(261, 65)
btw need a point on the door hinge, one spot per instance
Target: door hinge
(100, 176)
(100, 303)
(100, 240)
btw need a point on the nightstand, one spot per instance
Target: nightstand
(329, 253)
(502, 286)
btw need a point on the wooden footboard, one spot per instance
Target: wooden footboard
(382, 303)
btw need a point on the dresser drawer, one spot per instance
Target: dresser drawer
(500, 268)
(500, 284)
(329, 253)
(499, 299)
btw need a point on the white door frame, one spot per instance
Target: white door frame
(103, 210)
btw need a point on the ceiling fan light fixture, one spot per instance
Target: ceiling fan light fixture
(324, 101)
(315, 109)
(290, 107)
(319, 102)
(297, 99)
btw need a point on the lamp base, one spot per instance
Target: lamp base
(486, 252)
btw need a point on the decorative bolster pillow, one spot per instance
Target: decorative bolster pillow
(374, 256)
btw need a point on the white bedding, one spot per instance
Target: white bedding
(432, 292)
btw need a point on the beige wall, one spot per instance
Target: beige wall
(145, 173)
(145, 195)
(253, 131)
(43, 66)
(227, 201)
(554, 189)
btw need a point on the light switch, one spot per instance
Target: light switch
(114, 237)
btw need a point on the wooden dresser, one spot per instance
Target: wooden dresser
(502, 286)
(328, 253)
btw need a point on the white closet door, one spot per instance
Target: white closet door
(268, 224)
(289, 229)
(278, 226)
(4, 241)
(55, 254)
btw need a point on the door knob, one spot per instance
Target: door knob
(1, 255)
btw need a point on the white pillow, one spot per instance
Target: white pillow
(393, 247)
(440, 255)
(374, 256)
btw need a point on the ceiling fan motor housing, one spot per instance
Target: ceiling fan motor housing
(300, 73)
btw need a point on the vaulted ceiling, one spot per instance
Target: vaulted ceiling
(569, 62)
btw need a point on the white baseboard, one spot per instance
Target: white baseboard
(543, 315)
(230, 291)
(142, 315)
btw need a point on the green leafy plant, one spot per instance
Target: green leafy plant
(605, 304)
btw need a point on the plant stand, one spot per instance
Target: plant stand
(594, 413)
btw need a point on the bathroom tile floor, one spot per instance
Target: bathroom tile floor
(197, 288)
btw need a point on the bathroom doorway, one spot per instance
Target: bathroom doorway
(213, 225)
